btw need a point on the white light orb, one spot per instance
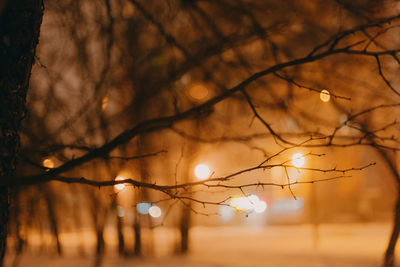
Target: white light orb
(119, 187)
(241, 203)
(155, 211)
(253, 198)
(325, 96)
(226, 213)
(260, 206)
(298, 160)
(202, 171)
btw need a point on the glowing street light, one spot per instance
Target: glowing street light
(202, 171)
(119, 187)
(250, 203)
(155, 211)
(241, 203)
(143, 207)
(298, 160)
(260, 206)
(198, 92)
(325, 96)
(48, 163)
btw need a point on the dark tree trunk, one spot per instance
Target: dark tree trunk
(20, 22)
(51, 211)
(121, 239)
(389, 254)
(138, 239)
(100, 247)
(390, 250)
(184, 229)
(100, 242)
(20, 241)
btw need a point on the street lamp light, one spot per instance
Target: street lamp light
(298, 160)
(202, 171)
(119, 187)
(198, 92)
(325, 96)
(48, 163)
(155, 211)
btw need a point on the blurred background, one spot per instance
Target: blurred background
(105, 66)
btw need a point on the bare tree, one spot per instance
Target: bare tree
(112, 72)
(20, 23)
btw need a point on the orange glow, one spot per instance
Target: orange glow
(104, 103)
(48, 163)
(128, 10)
(325, 96)
(198, 92)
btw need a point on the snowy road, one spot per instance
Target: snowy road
(340, 245)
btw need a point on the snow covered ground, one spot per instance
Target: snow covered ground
(340, 245)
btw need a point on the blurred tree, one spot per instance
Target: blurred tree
(120, 82)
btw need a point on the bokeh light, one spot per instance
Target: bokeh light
(198, 92)
(48, 163)
(226, 213)
(248, 204)
(119, 186)
(202, 171)
(325, 96)
(120, 211)
(298, 160)
(253, 198)
(155, 211)
(260, 206)
(143, 207)
(104, 103)
(241, 203)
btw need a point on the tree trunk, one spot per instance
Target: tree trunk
(100, 246)
(51, 211)
(184, 229)
(121, 239)
(20, 22)
(138, 238)
(389, 254)
(390, 250)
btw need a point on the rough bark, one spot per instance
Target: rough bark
(20, 22)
